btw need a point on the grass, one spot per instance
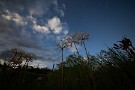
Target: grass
(112, 69)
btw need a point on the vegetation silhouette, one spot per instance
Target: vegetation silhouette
(62, 45)
(111, 69)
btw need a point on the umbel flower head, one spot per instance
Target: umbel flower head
(82, 37)
(77, 38)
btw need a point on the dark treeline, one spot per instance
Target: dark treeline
(112, 69)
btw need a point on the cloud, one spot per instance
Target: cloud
(18, 19)
(11, 37)
(38, 63)
(65, 32)
(55, 25)
(8, 17)
(32, 19)
(42, 29)
(14, 34)
(32, 25)
(73, 49)
(61, 13)
(44, 7)
(14, 17)
(37, 9)
(63, 5)
(58, 9)
(30, 14)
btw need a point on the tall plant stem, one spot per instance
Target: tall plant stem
(76, 49)
(62, 76)
(82, 64)
(90, 68)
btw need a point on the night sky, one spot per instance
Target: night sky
(36, 25)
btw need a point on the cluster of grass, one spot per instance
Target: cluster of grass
(22, 78)
(113, 69)
(110, 71)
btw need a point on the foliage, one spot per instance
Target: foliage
(112, 69)
(15, 57)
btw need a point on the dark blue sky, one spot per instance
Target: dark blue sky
(36, 25)
(107, 21)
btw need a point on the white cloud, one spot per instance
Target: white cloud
(14, 17)
(38, 63)
(42, 29)
(73, 49)
(65, 32)
(33, 19)
(18, 19)
(8, 17)
(55, 25)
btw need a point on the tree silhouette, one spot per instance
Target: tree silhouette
(29, 57)
(15, 57)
